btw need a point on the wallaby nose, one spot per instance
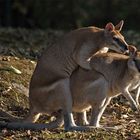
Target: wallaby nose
(124, 48)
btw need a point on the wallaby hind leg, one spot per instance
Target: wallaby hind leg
(63, 86)
(69, 123)
(81, 118)
(97, 111)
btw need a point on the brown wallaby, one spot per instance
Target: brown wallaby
(112, 74)
(51, 77)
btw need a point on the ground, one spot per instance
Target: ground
(19, 51)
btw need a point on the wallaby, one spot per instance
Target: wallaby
(111, 75)
(51, 77)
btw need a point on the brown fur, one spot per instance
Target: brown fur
(112, 75)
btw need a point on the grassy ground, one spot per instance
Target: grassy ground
(19, 51)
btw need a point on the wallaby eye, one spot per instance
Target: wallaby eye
(116, 39)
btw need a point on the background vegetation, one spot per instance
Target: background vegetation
(68, 14)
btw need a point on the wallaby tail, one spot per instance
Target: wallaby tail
(22, 125)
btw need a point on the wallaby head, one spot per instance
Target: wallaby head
(92, 40)
(115, 40)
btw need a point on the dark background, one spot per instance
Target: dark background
(68, 14)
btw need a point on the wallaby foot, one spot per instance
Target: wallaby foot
(69, 124)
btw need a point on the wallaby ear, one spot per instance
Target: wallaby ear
(119, 26)
(132, 50)
(109, 27)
